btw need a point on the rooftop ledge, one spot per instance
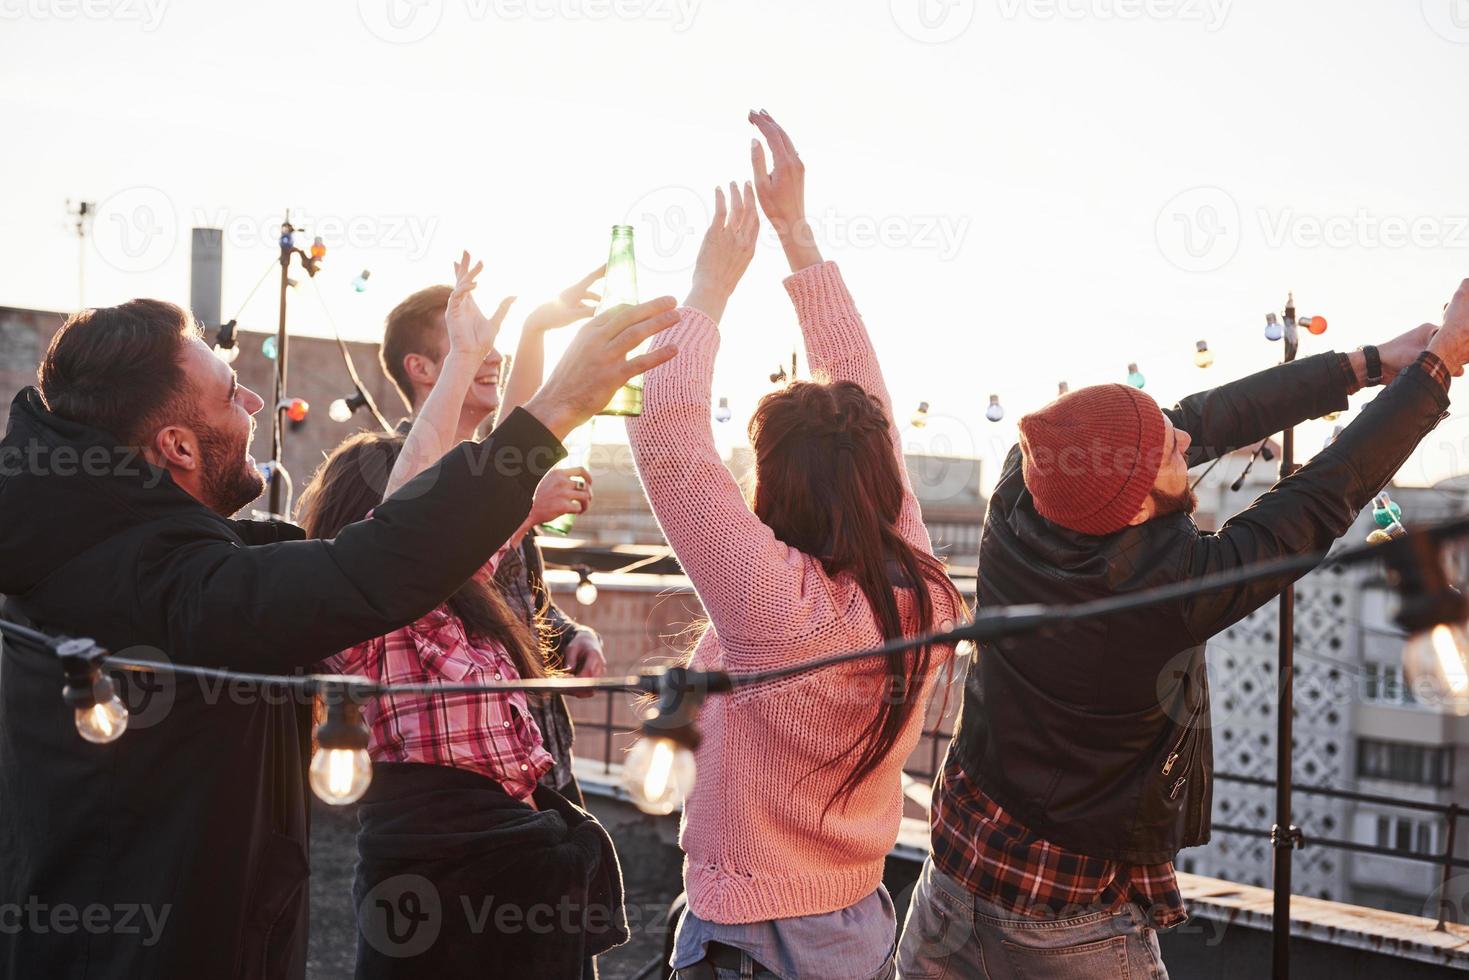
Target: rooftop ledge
(1212, 900)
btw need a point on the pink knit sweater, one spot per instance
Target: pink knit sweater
(752, 833)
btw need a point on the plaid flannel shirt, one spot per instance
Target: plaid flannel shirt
(977, 843)
(492, 734)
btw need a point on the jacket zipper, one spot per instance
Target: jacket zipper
(1169, 762)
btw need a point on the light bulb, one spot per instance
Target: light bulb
(1385, 511)
(658, 774)
(338, 410)
(227, 354)
(1203, 357)
(996, 411)
(722, 413)
(920, 417)
(1062, 389)
(586, 592)
(1273, 329)
(1436, 666)
(1331, 416)
(318, 248)
(1315, 324)
(267, 347)
(360, 283)
(297, 409)
(105, 721)
(1135, 377)
(340, 776)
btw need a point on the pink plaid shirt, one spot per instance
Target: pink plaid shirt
(492, 734)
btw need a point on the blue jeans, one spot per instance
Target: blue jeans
(748, 971)
(950, 933)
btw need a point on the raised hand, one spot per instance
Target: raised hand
(782, 191)
(470, 331)
(575, 302)
(596, 364)
(728, 246)
(1451, 343)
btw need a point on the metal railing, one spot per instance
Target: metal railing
(1449, 812)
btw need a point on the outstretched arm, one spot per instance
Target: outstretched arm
(573, 303)
(471, 338)
(837, 345)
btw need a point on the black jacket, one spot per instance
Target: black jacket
(197, 814)
(1097, 736)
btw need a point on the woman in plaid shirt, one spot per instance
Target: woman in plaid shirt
(455, 820)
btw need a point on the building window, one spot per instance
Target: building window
(1408, 834)
(1404, 762)
(1383, 684)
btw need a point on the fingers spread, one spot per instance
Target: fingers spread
(718, 207)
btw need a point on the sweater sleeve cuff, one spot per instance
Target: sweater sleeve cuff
(816, 287)
(524, 449)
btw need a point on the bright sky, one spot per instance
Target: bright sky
(1019, 191)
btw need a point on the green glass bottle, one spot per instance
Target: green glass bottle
(621, 286)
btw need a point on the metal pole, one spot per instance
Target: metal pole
(1284, 836)
(1448, 868)
(277, 435)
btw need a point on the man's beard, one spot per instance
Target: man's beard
(229, 482)
(1173, 503)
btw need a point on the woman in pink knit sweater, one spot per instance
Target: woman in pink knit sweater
(799, 790)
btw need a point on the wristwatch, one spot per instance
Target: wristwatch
(1374, 364)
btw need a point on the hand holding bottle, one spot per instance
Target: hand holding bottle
(728, 246)
(782, 192)
(596, 364)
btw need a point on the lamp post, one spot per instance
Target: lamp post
(311, 263)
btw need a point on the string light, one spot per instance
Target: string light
(1436, 656)
(1315, 324)
(659, 771)
(360, 282)
(225, 346)
(101, 717)
(586, 589)
(1202, 356)
(268, 347)
(342, 409)
(1273, 329)
(778, 375)
(296, 409)
(1385, 511)
(318, 248)
(920, 417)
(341, 770)
(1062, 389)
(722, 413)
(1135, 377)
(996, 411)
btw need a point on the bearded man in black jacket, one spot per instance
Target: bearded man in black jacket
(1082, 759)
(179, 850)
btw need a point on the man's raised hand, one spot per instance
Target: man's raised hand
(470, 331)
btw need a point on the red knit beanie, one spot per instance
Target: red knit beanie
(1091, 456)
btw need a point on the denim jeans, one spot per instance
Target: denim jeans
(706, 971)
(950, 933)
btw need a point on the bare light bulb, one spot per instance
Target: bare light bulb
(996, 411)
(586, 592)
(1436, 666)
(1273, 329)
(105, 721)
(920, 417)
(227, 354)
(340, 776)
(658, 774)
(722, 413)
(1203, 357)
(1135, 377)
(338, 411)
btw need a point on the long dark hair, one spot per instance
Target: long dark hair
(350, 482)
(828, 484)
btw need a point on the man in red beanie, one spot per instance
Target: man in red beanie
(1082, 760)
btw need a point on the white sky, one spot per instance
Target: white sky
(1013, 187)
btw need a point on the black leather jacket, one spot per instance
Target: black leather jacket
(1097, 736)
